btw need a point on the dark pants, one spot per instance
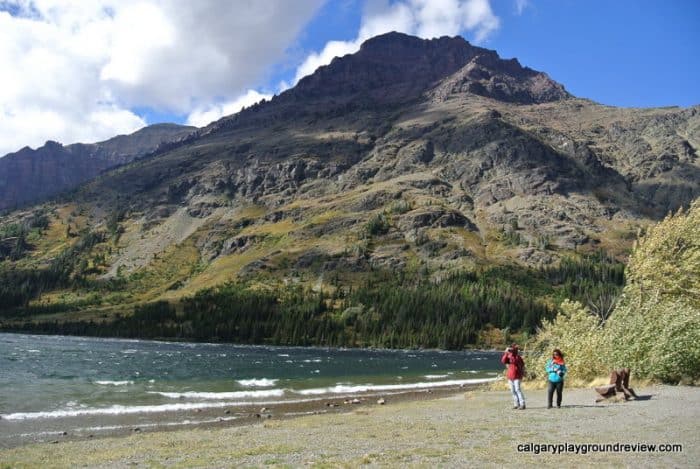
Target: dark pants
(550, 392)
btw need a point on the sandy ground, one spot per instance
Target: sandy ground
(474, 429)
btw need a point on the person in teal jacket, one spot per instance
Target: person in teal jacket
(556, 370)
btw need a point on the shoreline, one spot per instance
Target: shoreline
(217, 417)
(472, 427)
(175, 340)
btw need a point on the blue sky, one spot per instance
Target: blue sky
(85, 71)
(624, 53)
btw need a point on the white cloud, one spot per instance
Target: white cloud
(317, 59)
(72, 71)
(199, 51)
(203, 116)
(46, 88)
(423, 18)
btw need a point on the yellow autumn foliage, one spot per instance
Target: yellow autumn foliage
(578, 334)
(655, 328)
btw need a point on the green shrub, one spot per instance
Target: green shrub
(655, 327)
(578, 334)
(657, 339)
(377, 225)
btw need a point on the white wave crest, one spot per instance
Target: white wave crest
(434, 376)
(220, 395)
(139, 409)
(257, 383)
(114, 383)
(340, 389)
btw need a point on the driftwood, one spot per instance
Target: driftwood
(619, 382)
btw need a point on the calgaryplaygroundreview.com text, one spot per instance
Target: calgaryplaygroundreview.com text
(585, 448)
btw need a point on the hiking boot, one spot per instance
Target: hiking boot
(522, 407)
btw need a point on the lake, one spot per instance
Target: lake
(56, 385)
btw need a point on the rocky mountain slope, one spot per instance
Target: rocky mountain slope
(31, 175)
(410, 154)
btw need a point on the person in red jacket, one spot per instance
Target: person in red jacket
(515, 372)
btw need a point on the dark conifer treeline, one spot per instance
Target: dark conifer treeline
(586, 278)
(389, 310)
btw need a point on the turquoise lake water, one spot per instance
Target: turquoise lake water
(44, 379)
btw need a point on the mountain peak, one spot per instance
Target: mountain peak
(394, 67)
(394, 39)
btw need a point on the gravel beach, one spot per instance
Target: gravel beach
(476, 428)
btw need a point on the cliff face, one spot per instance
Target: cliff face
(35, 175)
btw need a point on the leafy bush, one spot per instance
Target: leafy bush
(377, 225)
(578, 334)
(655, 327)
(657, 339)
